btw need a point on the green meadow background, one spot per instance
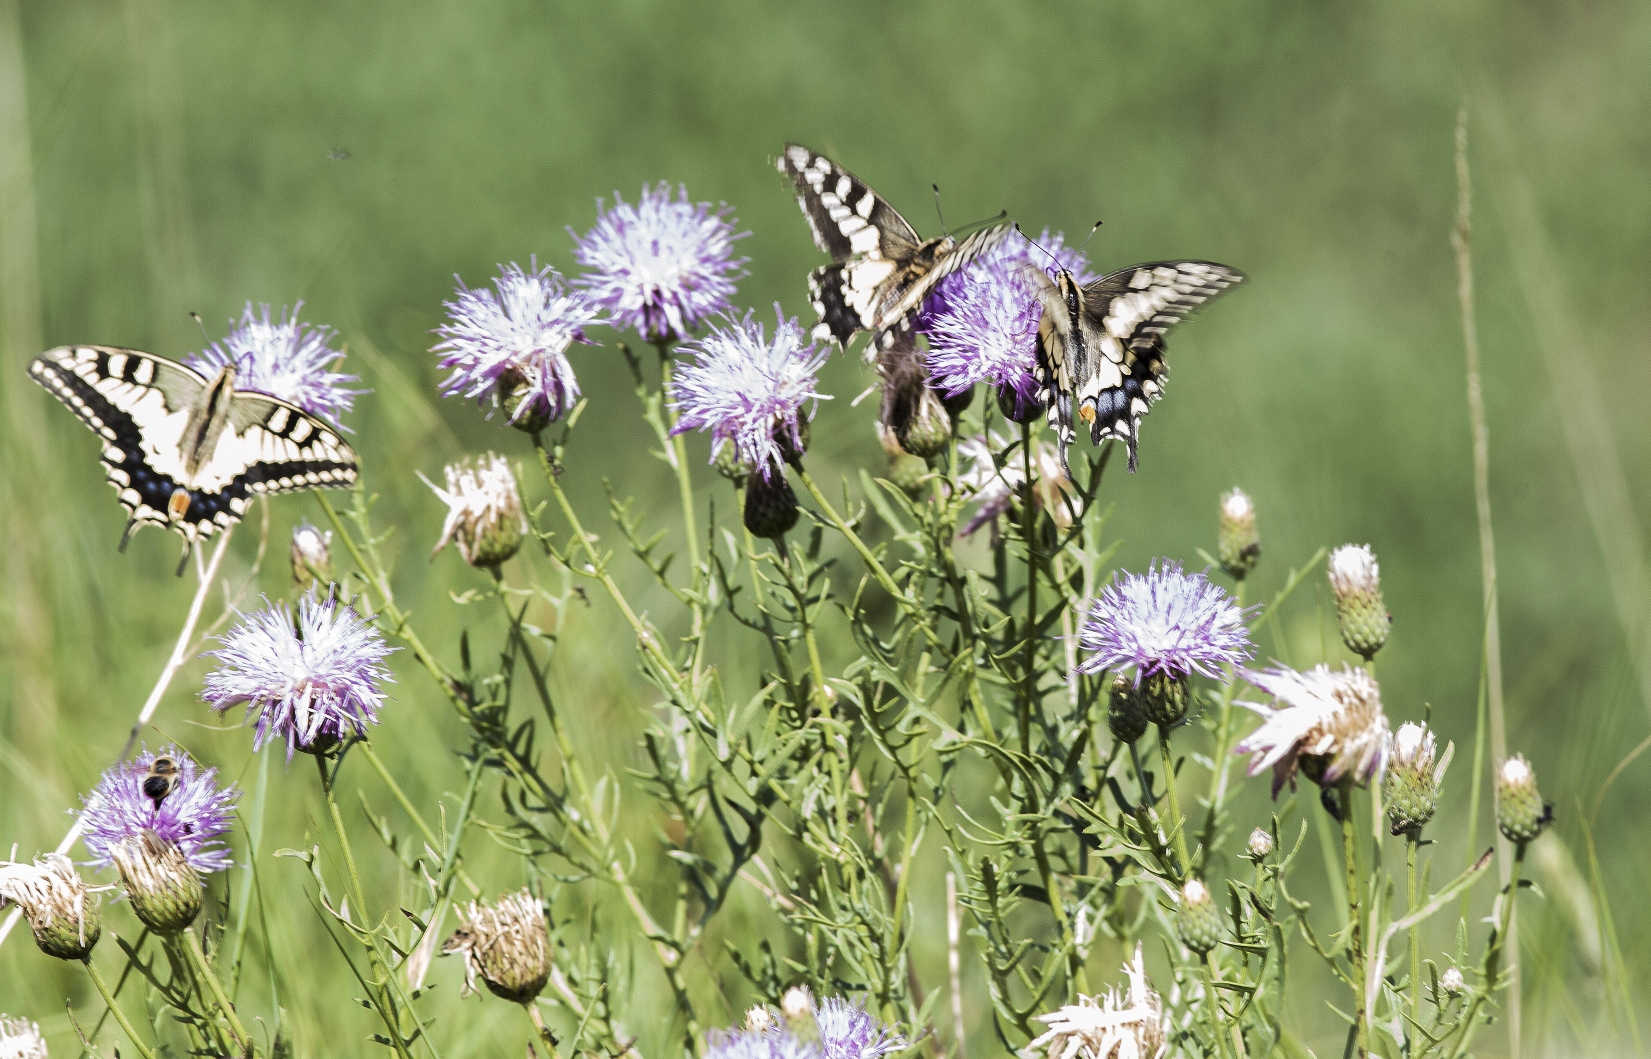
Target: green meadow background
(159, 158)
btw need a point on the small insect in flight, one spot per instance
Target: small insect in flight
(161, 780)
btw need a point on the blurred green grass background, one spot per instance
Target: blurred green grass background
(158, 158)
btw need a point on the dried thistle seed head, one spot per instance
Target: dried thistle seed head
(1199, 920)
(1238, 541)
(311, 555)
(1329, 722)
(1260, 844)
(1451, 981)
(20, 1039)
(507, 944)
(165, 891)
(1355, 579)
(1126, 714)
(484, 511)
(770, 506)
(1521, 814)
(1124, 1023)
(1414, 772)
(63, 912)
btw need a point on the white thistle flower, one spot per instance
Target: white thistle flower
(20, 1039)
(1330, 718)
(1118, 1024)
(484, 510)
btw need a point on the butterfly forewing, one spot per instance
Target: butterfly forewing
(140, 405)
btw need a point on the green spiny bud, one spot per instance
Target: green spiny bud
(311, 556)
(1414, 773)
(728, 463)
(798, 1008)
(1260, 844)
(1126, 713)
(770, 505)
(1521, 813)
(62, 910)
(927, 429)
(1199, 920)
(165, 891)
(485, 519)
(1164, 697)
(1356, 581)
(512, 389)
(1238, 542)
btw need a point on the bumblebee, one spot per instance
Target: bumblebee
(161, 780)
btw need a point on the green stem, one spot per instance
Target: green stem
(356, 890)
(1413, 841)
(1493, 952)
(543, 1031)
(679, 462)
(1029, 524)
(412, 812)
(198, 956)
(1176, 823)
(1214, 1005)
(114, 1009)
(1349, 847)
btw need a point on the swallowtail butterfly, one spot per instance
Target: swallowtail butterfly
(882, 270)
(185, 451)
(1101, 347)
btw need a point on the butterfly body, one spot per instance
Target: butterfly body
(882, 269)
(186, 451)
(1100, 349)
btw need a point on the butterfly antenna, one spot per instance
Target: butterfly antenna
(1053, 260)
(195, 316)
(943, 229)
(1091, 235)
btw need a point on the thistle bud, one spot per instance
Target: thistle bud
(1016, 407)
(1355, 579)
(1520, 812)
(1164, 697)
(1414, 774)
(1238, 542)
(770, 505)
(311, 556)
(20, 1039)
(1451, 981)
(759, 1019)
(1199, 921)
(798, 1008)
(507, 944)
(1260, 844)
(728, 463)
(484, 511)
(62, 910)
(165, 891)
(512, 390)
(793, 444)
(927, 427)
(1126, 714)
(957, 403)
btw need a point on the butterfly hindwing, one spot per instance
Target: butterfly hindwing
(1101, 347)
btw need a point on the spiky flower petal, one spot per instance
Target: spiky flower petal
(309, 678)
(485, 519)
(1126, 1023)
(20, 1039)
(193, 816)
(510, 344)
(1329, 721)
(1164, 622)
(63, 912)
(748, 390)
(662, 265)
(285, 359)
(507, 944)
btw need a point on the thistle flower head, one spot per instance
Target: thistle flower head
(165, 890)
(1124, 1023)
(1521, 814)
(1260, 844)
(311, 555)
(63, 912)
(1451, 981)
(20, 1039)
(1164, 622)
(1414, 773)
(485, 519)
(832, 1029)
(510, 344)
(1356, 582)
(749, 390)
(507, 944)
(1331, 718)
(1237, 541)
(994, 488)
(285, 359)
(663, 265)
(310, 675)
(848, 1031)
(982, 321)
(193, 816)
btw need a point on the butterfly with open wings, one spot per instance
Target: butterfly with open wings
(186, 451)
(882, 269)
(1100, 347)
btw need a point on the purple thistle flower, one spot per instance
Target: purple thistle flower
(746, 389)
(848, 1031)
(662, 265)
(284, 359)
(845, 1030)
(314, 680)
(191, 817)
(982, 322)
(1164, 622)
(497, 340)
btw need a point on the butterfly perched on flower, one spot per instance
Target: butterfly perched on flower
(882, 269)
(184, 450)
(1101, 347)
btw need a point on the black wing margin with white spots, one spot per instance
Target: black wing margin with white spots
(847, 218)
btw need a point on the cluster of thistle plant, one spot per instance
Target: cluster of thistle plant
(1062, 731)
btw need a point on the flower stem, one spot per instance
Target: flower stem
(679, 461)
(114, 1009)
(1492, 968)
(545, 1038)
(1349, 846)
(198, 956)
(1413, 841)
(356, 890)
(1176, 823)
(1029, 525)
